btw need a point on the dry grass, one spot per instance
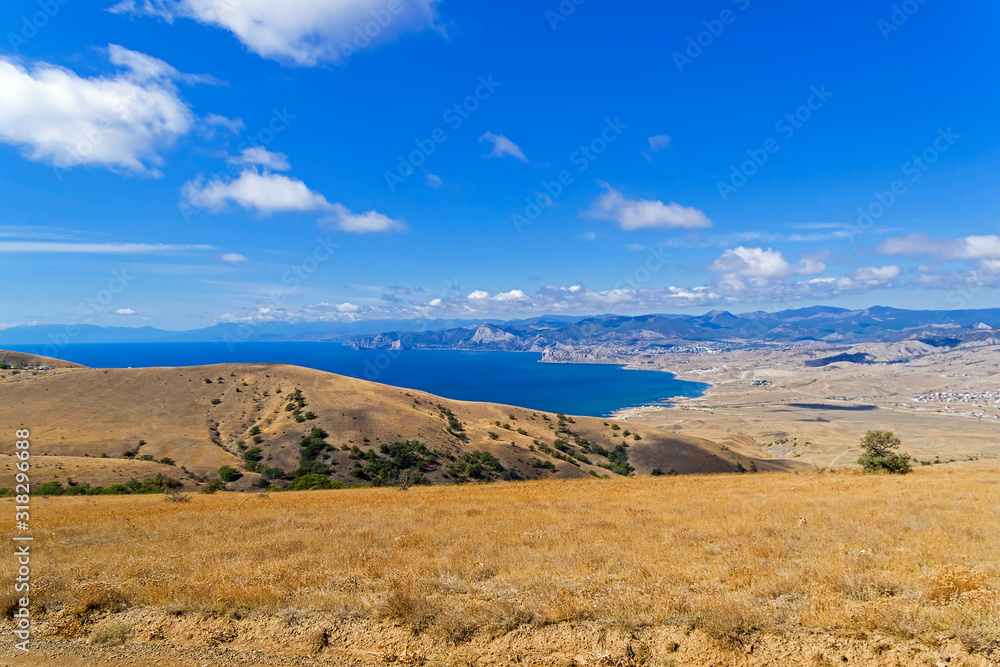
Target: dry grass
(736, 556)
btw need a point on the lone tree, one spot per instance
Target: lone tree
(880, 453)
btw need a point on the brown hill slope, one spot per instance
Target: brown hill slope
(77, 417)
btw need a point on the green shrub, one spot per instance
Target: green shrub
(545, 465)
(166, 460)
(229, 474)
(215, 401)
(401, 465)
(314, 481)
(252, 455)
(475, 466)
(880, 453)
(618, 458)
(213, 486)
(50, 489)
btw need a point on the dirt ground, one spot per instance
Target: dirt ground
(818, 415)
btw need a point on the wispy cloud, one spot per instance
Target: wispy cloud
(502, 146)
(260, 156)
(46, 247)
(946, 249)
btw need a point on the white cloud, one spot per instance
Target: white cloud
(231, 125)
(872, 275)
(434, 181)
(753, 263)
(761, 266)
(855, 281)
(269, 193)
(576, 299)
(587, 236)
(633, 214)
(502, 146)
(810, 265)
(363, 223)
(513, 295)
(123, 311)
(144, 68)
(45, 247)
(658, 142)
(264, 192)
(232, 258)
(121, 122)
(302, 32)
(968, 247)
(260, 156)
(347, 307)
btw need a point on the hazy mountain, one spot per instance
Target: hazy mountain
(817, 323)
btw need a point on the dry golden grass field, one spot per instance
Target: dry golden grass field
(808, 568)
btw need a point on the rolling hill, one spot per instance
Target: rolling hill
(106, 426)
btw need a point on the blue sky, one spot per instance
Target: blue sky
(177, 163)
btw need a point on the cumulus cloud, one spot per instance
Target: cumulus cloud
(633, 214)
(269, 193)
(761, 265)
(232, 258)
(260, 156)
(513, 295)
(121, 122)
(811, 265)
(123, 311)
(753, 263)
(363, 223)
(301, 32)
(264, 192)
(502, 146)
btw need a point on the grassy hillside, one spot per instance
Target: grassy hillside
(95, 426)
(782, 569)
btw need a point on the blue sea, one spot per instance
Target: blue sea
(514, 378)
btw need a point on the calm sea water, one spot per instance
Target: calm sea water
(514, 378)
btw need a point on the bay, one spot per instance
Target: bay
(513, 378)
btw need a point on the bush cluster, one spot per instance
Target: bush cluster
(401, 461)
(158, 483)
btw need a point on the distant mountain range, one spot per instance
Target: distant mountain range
(946, 328)
(939, 328)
